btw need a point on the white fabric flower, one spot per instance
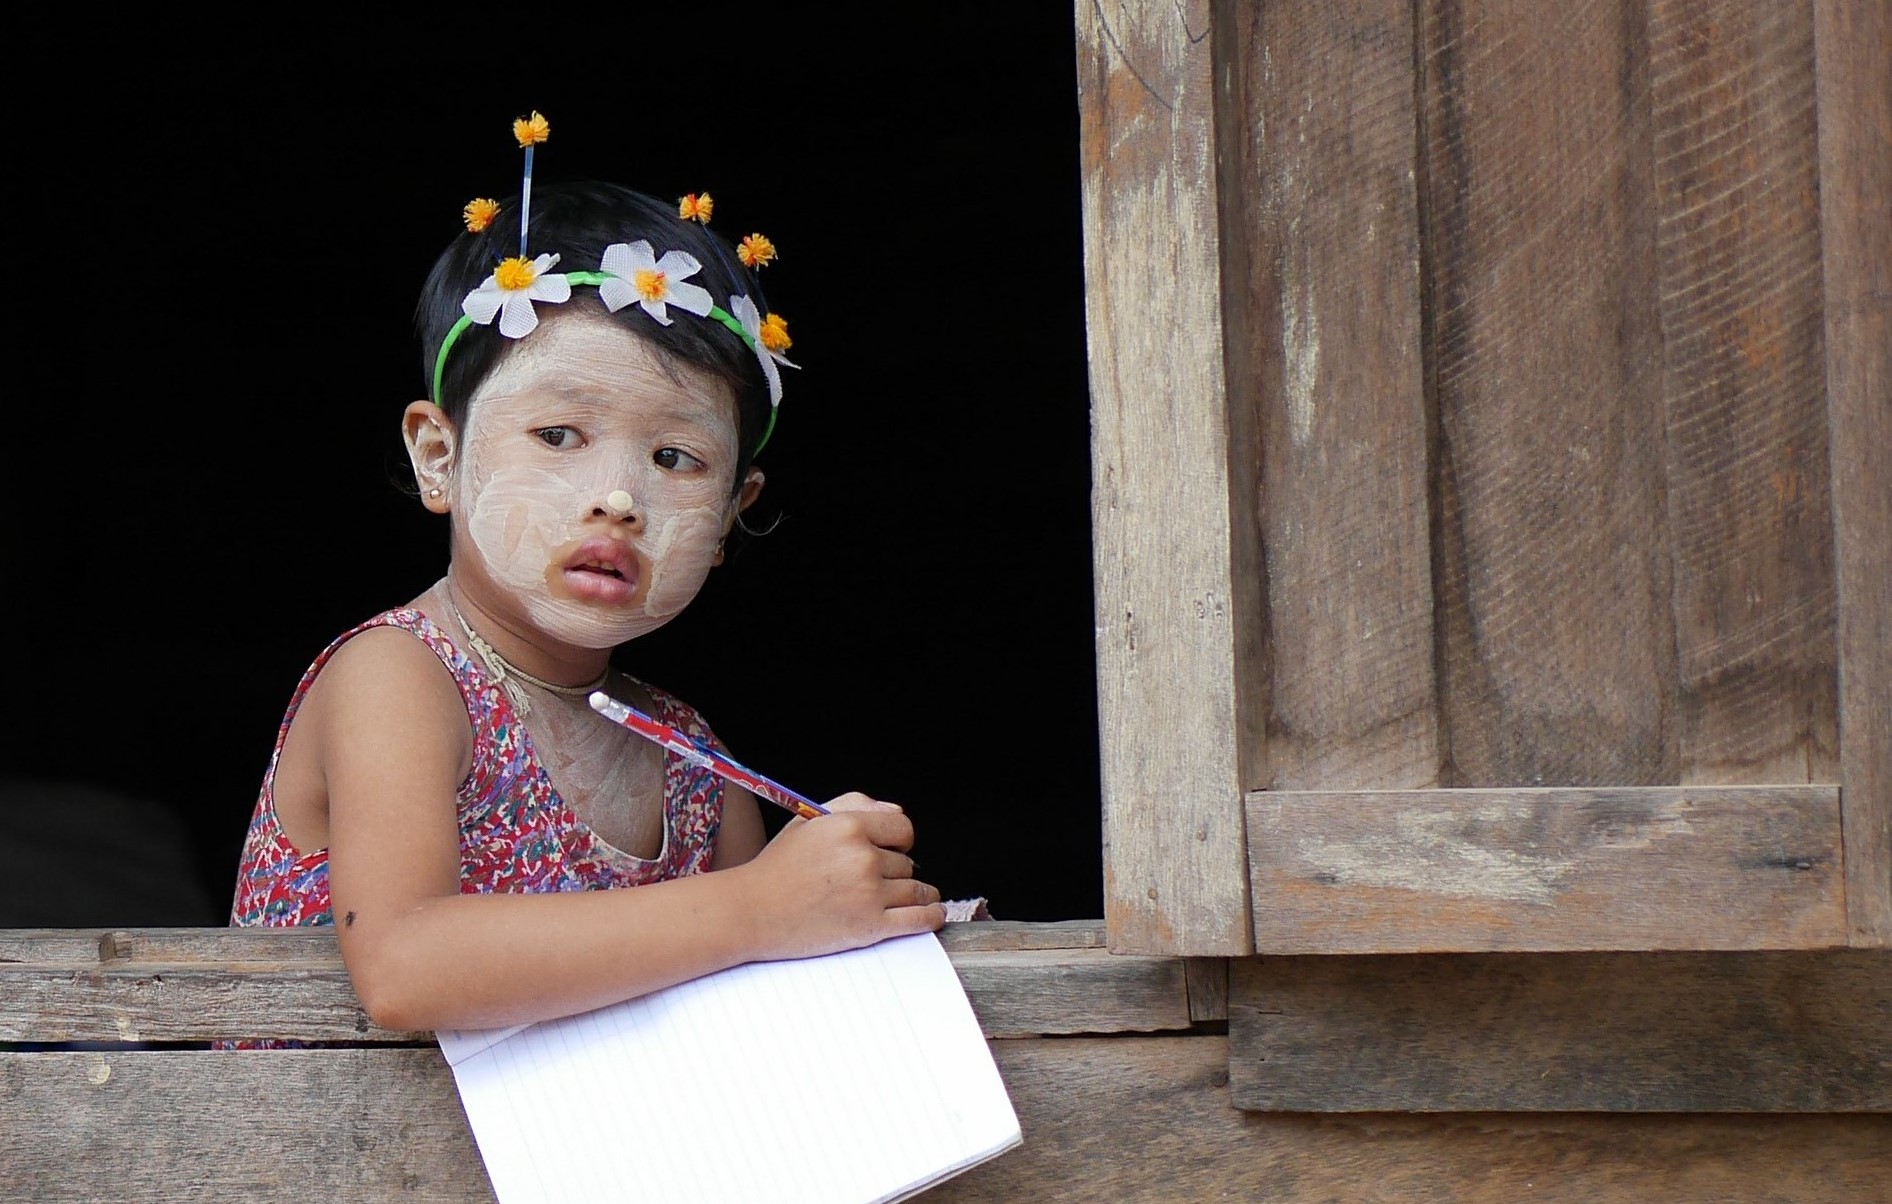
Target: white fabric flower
(510, 292)
(638, 275)
(744, 311)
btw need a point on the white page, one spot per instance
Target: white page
(860, 1076)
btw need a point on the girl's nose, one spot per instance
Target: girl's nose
(619, 505)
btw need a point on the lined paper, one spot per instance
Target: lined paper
(856, 1077)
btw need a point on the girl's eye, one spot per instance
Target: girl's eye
(558, 436)
(676, 459)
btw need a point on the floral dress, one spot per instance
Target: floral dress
(516, 833)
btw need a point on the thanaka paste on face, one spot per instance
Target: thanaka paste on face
(525, 508)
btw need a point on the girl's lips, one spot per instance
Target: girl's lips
(603, 570)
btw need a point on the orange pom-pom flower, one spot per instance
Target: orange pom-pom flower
(774, 333)
(755, 251)
(696, 207)
(479, 213)
(530, 131)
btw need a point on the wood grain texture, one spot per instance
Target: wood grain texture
(167, 946)
(1685, 867)
(1556, 650)
(147, 1002)
(1327, 322)
(1177, 595)
(996, 935)
(1148, 1119)
(351, 1126)
(1737, 204)
(1021, 978)
(1854, 68)
(221, 946)
(1023, 993)
(1679, 1032)
(1207, 978)
(1121, 1119)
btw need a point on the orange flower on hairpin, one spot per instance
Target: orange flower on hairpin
(754, 330)
(479, 213)
(696, 206)
(530, 131)
(755, 251)
(774, 334)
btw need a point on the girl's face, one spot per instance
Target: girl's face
(579, 420)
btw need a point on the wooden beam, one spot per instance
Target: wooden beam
(1121, 1119)
(353, 1126)
(1748, 495)
(1325, 330)
(1855, 123)
(1148, 1119)
(1177, 583)
(1551, 553)
(1029, 993)
(1674, 1032)
(1651, 867)
(220, 946)
(1022, 979)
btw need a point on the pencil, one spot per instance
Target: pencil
(698, 753)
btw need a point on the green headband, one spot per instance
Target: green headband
(628, 274)
(594, 279)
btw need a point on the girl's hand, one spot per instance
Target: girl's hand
(839, 882)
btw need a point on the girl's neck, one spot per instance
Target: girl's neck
(500, 651)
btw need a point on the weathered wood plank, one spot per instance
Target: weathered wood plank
(167, 946)
(1178, 606)
(995, 935)
(1147, 1119)
(222, 946)
(1208, 988)
(1677, 1032)
(353, 1126)
(1737, 201)
(1117, 1119)
(1023, 993)
(1679, 867)
(1557, 655)
(1327, 323)
(1013, 991)
(301, 1001)
(1120, 1119)
(1855, 121)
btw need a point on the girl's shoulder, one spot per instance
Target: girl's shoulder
(379, 632)
(395, 655)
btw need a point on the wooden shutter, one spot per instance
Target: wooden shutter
(1491, 448)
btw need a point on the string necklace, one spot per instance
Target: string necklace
(507, 675)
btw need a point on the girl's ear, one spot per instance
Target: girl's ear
(750, 491)
(745, 497)
(431, 444)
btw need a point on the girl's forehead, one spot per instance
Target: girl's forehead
(596, 364)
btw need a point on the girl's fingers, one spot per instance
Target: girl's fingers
(926, 917)
(895, 864)
(906, 892)
(854, 800)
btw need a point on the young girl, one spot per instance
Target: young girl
(490, 849)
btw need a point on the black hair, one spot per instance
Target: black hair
(577, 220)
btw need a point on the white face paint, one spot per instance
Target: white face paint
(579, 411)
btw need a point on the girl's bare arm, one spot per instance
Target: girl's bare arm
(389, 730)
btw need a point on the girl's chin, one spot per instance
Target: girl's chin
(584, 627)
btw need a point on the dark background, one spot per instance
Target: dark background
(217, 250)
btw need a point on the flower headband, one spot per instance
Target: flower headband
(630, 273)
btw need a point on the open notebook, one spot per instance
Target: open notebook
(859, 1076)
